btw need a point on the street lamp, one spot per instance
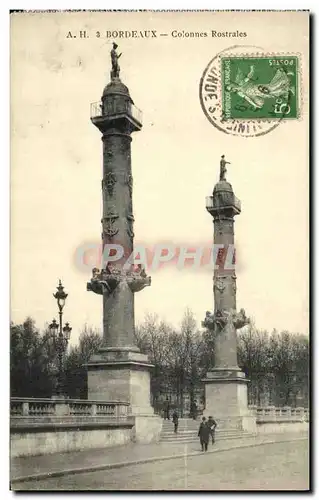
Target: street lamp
(67, 331)
(54, 328)
(60, 296)
(61, 336)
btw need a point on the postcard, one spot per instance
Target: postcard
(159, 250)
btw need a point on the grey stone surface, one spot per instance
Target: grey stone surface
(116, 283)
(260, 458)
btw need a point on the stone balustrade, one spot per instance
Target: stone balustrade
(280, 414)
(39, 426)
(40, 408)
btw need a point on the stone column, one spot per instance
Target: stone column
(119, 372)
(225, 384)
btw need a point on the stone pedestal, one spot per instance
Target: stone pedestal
(124, 375)
(227, 401)
(120, 375)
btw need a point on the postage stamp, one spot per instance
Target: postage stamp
(248, 92)
(260, 87)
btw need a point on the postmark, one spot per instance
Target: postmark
(246, 102)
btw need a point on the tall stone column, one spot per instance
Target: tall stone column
(119, 372)
(225, 384)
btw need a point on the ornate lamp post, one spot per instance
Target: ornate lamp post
(61, 336)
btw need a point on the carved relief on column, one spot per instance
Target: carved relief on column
(234, 285)
(219, 283)
(109, 222)
(109, 182)
(221, 317)
(224, 225)
(106, 280)
(128, 179)
(130, 222)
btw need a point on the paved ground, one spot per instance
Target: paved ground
(57, 462)
(279, 466)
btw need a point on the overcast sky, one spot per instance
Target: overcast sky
(57, 165)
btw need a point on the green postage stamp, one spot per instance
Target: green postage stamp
(259, 87)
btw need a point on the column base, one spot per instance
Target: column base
(227, 401)
(118, 374)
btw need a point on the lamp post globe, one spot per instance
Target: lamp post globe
(54, 328)
(61, 336)
(67, 331)
(60, 296)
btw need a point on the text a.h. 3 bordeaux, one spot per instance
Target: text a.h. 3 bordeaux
(116, 34)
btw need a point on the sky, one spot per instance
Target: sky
(56, 165)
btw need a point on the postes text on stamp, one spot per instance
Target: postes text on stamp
(259, 87)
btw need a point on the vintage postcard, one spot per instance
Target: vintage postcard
(159, 335)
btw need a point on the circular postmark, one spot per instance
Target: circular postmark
(247, 92)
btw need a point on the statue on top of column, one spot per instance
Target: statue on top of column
(115, 73)
(223, 170)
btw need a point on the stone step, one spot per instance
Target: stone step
(182, 425)
(190, 439)
(188, 432)
(194, 434)
(181, 429)
(217, 431)
(195, 440)
(182, 422)
(171, 431)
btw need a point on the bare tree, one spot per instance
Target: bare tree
(152, 338)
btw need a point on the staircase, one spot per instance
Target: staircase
(188, 432)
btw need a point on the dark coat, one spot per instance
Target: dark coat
(212, 424)
(204, 432)
(175, 417)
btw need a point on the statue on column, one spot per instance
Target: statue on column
(223, 170)
(115, 73)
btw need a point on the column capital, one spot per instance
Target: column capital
(106, 280)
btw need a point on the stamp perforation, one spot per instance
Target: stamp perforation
(211, 86)
(265, 55)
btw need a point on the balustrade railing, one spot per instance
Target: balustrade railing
(43, 407)
(115, 107)
(16, 408)
(228, 199)
(280, 414)
(106, 409)
(78, 408)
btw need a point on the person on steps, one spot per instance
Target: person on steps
(212, 424)
(175, 421)
(203, 434)
(166, 409)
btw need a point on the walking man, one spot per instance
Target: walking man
(175, 421)
(166, 409)
(203, 434)
(212, 424)
(193, 410)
